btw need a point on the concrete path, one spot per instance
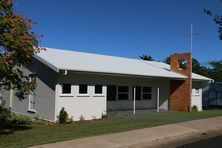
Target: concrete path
(166, 135)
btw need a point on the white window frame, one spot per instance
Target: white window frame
(94, 91)
(31, 96)
(196, 92)
(83, 95)
(66, 94)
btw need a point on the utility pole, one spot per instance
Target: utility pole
(191, 62)
(191, 54)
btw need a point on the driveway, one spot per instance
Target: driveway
(167, 135)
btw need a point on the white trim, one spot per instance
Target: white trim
(53, 67)
(98, 95)
(29, 104)
(158, 96)
(66, 95)
(196, 92)
(10, 96)
(134, 100)
(57, 92)
(31, 110)
(83, 95)
(31, 96)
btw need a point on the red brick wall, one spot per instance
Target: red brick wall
(180, 90)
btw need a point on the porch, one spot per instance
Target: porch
(130, 99)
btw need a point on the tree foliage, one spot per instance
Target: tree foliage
(214, 70)
(17, 45)
(217, 19)
(146, 57)
(63, 116)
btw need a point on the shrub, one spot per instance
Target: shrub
(63, 116)
(104, 116)
(194, 108)
(5, 115)
(70, 120)
(21, 120)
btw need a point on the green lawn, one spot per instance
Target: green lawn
(197, 115)
(40, 133)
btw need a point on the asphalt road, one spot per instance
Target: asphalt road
(215, 142)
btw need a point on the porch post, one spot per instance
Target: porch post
(158, 96)
(134, 100)
(10, 96)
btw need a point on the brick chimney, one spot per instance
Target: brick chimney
(180, 90)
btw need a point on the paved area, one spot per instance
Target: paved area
(166, 135)
(148, 114)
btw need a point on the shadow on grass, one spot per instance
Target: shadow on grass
(8, 128)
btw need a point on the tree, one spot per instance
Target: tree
(146, 57)
(17, 45)
(216, 71)
(217, 19)
(196, 66)
(167, 60)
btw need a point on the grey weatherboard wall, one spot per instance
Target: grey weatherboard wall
(44, 93)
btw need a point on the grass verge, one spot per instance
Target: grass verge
(40, 133)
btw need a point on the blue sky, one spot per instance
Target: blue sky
(127, 28)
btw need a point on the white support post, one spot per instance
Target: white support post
(158, 97)
(10, 96)
(134, 100)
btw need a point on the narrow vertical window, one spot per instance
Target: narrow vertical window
(32, 106)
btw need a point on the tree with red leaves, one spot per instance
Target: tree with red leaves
(17, 46)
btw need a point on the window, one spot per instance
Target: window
(123, 93)
(183, 64)
(111, 93)
(66, 88)
(32, 102)
(147, 93)
(195, 91)
(83, 89)
(98, 89)
(31, 107)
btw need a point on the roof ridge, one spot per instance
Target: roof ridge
(97, 54)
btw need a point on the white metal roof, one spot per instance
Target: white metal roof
(167, 67)
(58, 59)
